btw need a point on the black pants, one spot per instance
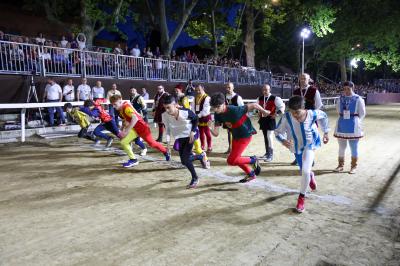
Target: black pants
(266, 142)
(185, 153)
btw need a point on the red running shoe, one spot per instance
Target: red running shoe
(300, 204)
(313, 183)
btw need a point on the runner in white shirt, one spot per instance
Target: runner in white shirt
(69, 91)
(84, 91)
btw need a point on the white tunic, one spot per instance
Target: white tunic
(304, 134)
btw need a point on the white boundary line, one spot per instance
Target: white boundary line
(255, 184)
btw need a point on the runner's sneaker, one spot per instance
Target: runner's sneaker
(167, 156)
(256, 165)
(143, 152)
(264, 157)
(109, 142)
(130, 163)
(248, 177)
(97, 142)
(294, 162)
(300, 204)
(193, 183)
(313, 182)
(204, 161)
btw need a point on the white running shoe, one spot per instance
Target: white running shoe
(143, 152)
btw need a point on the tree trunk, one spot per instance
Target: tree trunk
(167, 42)
(343, 70)
(249, 37)
(87, 25)
(214, 34)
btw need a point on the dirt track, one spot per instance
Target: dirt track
(64, 203)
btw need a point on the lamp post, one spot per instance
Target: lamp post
(305, 33)
(353, 63)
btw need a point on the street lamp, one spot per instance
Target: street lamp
(305, 33)
(353, 63)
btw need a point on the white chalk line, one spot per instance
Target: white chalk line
(255, 184)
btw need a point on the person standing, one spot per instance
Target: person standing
(98, 92)
(231, 98)
(351, 110)
(275, 105)
(298, 132)
(201, 107)
(69, 91)
(138, 103)
(145, 94)
(113, 91)
(84, 92)
(310, 93)
(158, 109)
(190, 90)
(53, 93)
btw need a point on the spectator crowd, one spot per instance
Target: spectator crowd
(78, 42)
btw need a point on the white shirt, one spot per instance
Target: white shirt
(71, 96)
(97, 92)
(206, 107)
(239, 98)
(145, 96)
(317, 97)
(40, 40)
(304, 134)
(158, 64)
(111, 93)
(53, 92)
(84, 92)
(180, 127)
(64, 43)
(279, 104)
(45, 56)
(81, 45)
(135, 52)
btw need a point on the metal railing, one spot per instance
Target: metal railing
(23, 59)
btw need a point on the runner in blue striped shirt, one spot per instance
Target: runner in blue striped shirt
(299, 125)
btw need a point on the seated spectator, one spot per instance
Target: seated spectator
(63, 42)
(135, 51)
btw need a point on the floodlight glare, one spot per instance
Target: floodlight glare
(353, 62)
(305, 33)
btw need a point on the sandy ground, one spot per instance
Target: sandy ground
(64, 202)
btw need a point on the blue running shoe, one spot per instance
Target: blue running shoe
(130, 163)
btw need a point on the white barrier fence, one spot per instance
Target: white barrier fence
(328, 102)
(27, 59)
